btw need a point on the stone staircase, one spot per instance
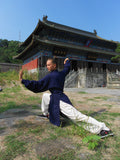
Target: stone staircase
(113, 81)
(71, 80)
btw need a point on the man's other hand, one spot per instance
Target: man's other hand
(20, 75)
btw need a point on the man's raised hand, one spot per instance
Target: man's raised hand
(66, 60)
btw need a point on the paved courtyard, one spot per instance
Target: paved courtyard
(107, 91)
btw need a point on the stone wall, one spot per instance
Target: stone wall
(9, 66)
(113, 80)
(96, 79)
(89, 78)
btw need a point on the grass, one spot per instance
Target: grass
(28, 129)
(80, 101)
(102, 98)
(108, 105)
(36, 106)
(78, 131)
(37, 130)
(9, 93)
(14, 89)
(106, 113)
(82, 92)
(14, 147)
(8, 105)
(113, 114)
(33, 98)
(4, 95)
(91, 99)
(67, 154)
(23, 125)
(2, 128)
(103, 116)
(75, 141)
(92, 141)
(8, 77)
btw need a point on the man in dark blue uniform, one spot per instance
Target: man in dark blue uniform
(57, 101)
(0, 88)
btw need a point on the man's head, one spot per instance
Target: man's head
(51, 64)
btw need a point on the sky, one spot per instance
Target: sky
(18, 18)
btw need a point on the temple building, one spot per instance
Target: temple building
(90, 55)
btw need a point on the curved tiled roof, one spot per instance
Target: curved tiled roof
(61, 27)
(31, 40)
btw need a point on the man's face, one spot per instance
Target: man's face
(50, 66)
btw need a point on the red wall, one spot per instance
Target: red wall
(31, 65)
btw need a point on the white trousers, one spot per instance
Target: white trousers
(90, 124)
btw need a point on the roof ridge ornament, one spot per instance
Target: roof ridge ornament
(45, 18)
(95, 32)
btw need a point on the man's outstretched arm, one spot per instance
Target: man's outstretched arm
(35, 86)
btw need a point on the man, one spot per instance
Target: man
(57, 101)
(0, 88)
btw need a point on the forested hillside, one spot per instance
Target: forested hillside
(8, 49)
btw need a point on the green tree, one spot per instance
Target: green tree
(117, 57)
(4, 43)
(8, 49)
(118, 48)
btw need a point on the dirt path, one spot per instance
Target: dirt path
(105, 91)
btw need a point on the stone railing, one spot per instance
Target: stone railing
(71, 80)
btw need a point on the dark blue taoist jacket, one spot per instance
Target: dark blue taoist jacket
(54, 82)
